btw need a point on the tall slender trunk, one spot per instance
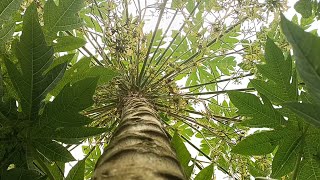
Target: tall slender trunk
(139, 148)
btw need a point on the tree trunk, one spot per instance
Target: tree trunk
(139, 148)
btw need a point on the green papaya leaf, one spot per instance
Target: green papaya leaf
(81, 70)
(183, 154)
(309, 168)
(53, 151)
(305, 49)
(258, 144)
(304, 7)
(64, 110)
(77, 172)
(7, 9)
(279, 72)
(68, 43)
(262, 115)
(286, 156)
(6, 32)
(32, 83)
(205, 173)
(309, 112)
(62, 17)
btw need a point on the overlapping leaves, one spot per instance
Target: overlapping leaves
(41, 125)
(292, 137)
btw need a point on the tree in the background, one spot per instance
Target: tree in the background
(158, 73)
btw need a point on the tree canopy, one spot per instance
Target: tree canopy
(235, 83)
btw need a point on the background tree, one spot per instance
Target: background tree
(163, 71)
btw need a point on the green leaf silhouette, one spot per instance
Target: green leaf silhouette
(32, 84)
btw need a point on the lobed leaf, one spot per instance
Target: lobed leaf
(64, 110)
(262, 115)
(279, 72)
(53, 151)
(258, 144)
(62, 17)
(34, 56)
(81, 70)
(286, 156)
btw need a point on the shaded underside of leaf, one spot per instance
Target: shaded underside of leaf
(286, 156)
(306, 51)
(258, 144)
(262, 115)
(53, 151)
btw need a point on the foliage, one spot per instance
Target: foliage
(55, 52)
(33, 127)
(290, 140)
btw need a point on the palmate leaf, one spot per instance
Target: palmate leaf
(262, 115)
(7, 8)
(53, 151)
(64, 110)
(259, 143)
(305, 49)
(34, 57)
(82, 69)
(287, 155)
(279, 72)
(62, 17)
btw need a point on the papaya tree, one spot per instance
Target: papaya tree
(148, 83)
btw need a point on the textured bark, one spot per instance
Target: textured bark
(139, 148)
